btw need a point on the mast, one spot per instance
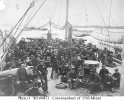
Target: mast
(122, 73)
(66, 23)
(49, 35)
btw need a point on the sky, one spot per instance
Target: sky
(12, 10)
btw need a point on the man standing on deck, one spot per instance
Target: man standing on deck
(103, 73)
(43, 73)
(22, 77)
(116, 76)
(55, 63)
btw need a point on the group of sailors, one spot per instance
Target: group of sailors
(65, 61)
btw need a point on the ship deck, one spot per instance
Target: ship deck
(53, 91)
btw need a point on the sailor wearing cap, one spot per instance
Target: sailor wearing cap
(43, 73)
(116, 77)
(103, 73)
(54, 62)
(21, 76)
(95, 81)
(72, 77)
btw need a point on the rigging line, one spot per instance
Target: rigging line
(85, 12)
(53, 15)
(60, 11)
(110, 13)
(31, 12)
(31, 5)
(44, 25)
(19, 26)
(101, 15)
(16, 30)
(31, 18)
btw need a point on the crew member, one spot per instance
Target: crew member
(108, 84)
(116, 77)
(72, 78)
(95, 81)
(22, 77)
(43, 74)
(103, 73)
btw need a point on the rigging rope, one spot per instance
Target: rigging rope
(31, 12)
(31, 19)
(101, 16)
(60, 11)
(51, 15)
(31, 5)
(44, 25)
(54, 11)
(110, 12)
(19, 26)
(85, 12)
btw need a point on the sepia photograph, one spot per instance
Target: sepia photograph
(63, 48)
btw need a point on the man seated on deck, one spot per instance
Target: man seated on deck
(72, 78)
(95, 83)
(116, 77)
(108, 84)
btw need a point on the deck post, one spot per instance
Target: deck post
(122, 72)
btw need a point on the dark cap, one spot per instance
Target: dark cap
(116, 69)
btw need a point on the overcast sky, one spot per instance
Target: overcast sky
(14, 9)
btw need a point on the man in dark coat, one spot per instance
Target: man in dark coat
(95, 81)
(55, 63)
(72, 78)
(103, 73)
(22, 77)
(79, 63)
(43, 74)
(108, 84)
(116, 77)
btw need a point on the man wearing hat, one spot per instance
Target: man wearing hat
(103, 73)
(95, 81)
(116, 77)
(108, 84)
(22, 77)
(43, 73)
(54, 62)
(72, 77)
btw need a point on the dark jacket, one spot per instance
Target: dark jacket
(54, 59)
(42, 69)
(21, 74)
(118, 76)
(72, 74)
(109, 79)
(103, 73)
(96, 78)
